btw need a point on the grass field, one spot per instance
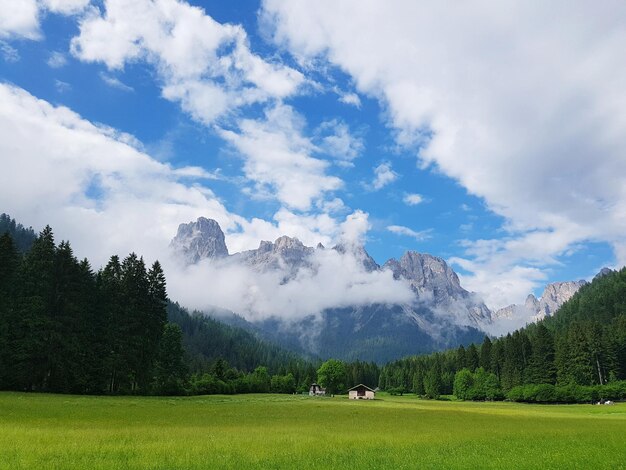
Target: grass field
(278, 431)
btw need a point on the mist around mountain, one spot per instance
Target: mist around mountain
(331, 302)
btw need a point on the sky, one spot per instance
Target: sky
(489, 134)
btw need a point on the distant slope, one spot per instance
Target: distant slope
(207, 339)
(22, 237)
(602, 301)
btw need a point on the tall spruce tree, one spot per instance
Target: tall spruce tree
(9, 265)
(33, 327)
(541, 368)
(485, 354)
(472, 358)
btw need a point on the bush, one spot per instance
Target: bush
(546, 393)
(478, 386)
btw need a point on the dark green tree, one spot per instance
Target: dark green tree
(472, 357)
(541, 367)
(170, 368)
(432, 383)
(9, 265)
(485, 354)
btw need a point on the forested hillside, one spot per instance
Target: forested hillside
(23, 237)
(579, 354)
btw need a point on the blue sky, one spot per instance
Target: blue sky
(479, 147)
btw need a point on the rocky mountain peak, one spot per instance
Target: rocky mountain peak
(424, 270)
(199, 240)
(434, 281)
(603, 272)
(360, 254)
(531, 302)
(285, 243)
(554, 295)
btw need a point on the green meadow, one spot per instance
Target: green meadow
(282, 431)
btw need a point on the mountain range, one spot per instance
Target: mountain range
(439, 313)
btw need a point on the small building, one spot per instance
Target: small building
(361, 392)
(316, 390)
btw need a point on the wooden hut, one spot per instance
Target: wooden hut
(361, 392)
(316, 390)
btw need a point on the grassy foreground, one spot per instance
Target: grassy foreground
(278, 431)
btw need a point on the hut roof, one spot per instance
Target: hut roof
(361, 386)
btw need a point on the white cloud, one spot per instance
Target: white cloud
(8, 53)
(20, 18)
(206, 66)
(339, 143)
(413, 199)
(57, 60)
(406, 231)
(95, 189)
(383, 175)
(351, 99)
(65, 7)
(520, 102)
(277, 156)
(115, 82)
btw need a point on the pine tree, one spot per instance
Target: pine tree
(9, 265)
(580, 369)
(472, 358)
(497, 358)
(432, 383)
(170, 367)
(485, 354)
(461, 358)
(541, 368)
(32, 332)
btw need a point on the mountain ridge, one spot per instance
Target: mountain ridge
(440, 313)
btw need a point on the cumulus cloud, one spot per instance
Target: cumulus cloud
(204, 65)
(406, 231)
(278, 156)
(383, 175)
(413, 199)
(20, 18)
(97, 188)
(520, 102)
(90, 183)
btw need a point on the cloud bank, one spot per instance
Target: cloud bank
(519, 102)
(262, 295)
(97, 188)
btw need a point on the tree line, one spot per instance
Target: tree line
(577, 355)
(65, 328)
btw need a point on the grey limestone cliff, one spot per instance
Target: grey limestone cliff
(199, 240)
